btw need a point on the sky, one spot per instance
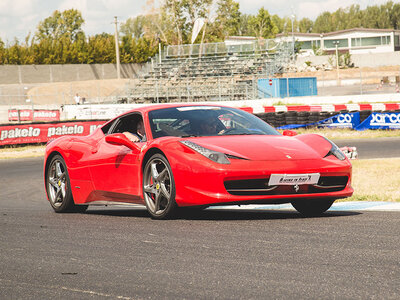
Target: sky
(18, 18)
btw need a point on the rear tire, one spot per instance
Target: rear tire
(312, 207)
(58, 187)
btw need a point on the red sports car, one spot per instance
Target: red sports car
(171, 156)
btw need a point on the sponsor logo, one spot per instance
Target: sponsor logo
(385, 119)
(93, 128)
(45, 114)
(64, 130)
(344, 118)
(19, 133)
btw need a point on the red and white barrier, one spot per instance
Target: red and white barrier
(333, 107)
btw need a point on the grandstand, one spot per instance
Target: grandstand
(209, 72)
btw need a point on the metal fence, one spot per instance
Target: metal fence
(223, 48)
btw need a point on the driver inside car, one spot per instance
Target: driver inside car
(139, 136)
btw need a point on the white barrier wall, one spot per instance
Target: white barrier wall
(108, 111)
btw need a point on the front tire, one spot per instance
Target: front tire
(159, 187)
(58, 187)
(312, 207)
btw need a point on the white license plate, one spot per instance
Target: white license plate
(293, 179)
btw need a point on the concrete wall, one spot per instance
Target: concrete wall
(26, 74)
(359, 60)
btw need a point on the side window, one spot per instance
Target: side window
(132, 123)
(106, 128)
(127, 123)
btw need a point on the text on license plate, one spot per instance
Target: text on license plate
(293, 179)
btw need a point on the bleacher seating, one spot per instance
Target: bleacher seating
(228, 73)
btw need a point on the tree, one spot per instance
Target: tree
(394, 15)
(323, 23)
(134, 27)
(67, 23)
(2, 52)
(261, 25)
(227, 21)
(305, 25)
(174, 10)
(280, 23)
(101, 49)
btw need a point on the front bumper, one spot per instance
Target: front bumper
(208, 183)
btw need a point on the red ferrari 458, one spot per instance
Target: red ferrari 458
(171, 156)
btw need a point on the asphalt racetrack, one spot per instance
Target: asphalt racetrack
(115, 253)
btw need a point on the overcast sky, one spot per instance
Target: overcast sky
(19, 17)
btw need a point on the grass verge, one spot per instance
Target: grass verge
(350, 133)
(22, 152)
(376, 180)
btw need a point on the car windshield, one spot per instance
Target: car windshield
(189, 121)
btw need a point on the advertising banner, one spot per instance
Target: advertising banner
(41, 133)
(19, 115)
(381, 121)
(39, 115)
(346, 120)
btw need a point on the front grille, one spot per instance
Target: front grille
(260, 187)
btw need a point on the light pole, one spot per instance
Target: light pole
(117, 48)
(292, 19)
(336, 43)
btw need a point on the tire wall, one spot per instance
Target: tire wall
(282, 118)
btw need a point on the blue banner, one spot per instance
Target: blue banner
(381, 121)
(347, 120)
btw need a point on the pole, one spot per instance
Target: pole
(202, 39)
(292, 37)
(337, 63)
(117, 48)
(159, 51)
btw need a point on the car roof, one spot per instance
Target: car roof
(150, 107)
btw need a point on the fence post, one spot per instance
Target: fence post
(287, 87)
(219, 88)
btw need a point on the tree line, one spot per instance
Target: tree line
(59, 39)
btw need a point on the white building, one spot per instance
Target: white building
(354, 41)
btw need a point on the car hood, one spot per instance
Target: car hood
(267, 147)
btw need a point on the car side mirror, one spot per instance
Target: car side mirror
(289, 133)
(121, 139)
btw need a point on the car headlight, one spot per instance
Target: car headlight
(215, 156)
(335, 151)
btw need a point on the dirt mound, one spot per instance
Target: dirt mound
(92, 91)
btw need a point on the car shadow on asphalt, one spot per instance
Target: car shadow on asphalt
(222, 214)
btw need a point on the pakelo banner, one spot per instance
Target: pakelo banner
(381, 121)
(38, 115)
(41, 133)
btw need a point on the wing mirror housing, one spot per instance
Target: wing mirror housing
(121, 139)
(289, 133)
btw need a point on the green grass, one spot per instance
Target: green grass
(349, 133)
(376, 180)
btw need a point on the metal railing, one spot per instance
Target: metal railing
(222, 48)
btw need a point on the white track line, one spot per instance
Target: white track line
(339, 206)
